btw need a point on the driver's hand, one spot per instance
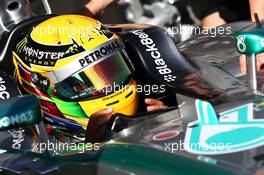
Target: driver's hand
(154, 104)
(97, 125)
(97, 7)
(242, 60)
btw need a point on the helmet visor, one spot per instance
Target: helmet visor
(97, 80)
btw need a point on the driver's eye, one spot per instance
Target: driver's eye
(78, 88)
(262, 66)
(95, 93)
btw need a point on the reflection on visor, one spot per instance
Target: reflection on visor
(95, 80)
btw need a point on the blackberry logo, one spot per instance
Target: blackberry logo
(152, 48)
(169, 78)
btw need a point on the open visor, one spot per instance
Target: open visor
(96, 80)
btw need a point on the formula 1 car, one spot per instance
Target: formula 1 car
(217, 127)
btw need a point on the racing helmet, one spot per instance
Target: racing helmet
(76, 67)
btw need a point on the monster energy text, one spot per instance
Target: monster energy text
(36, 53)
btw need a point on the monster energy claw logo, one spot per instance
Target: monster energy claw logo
(32, 52)
(20, 46)
(241, 43)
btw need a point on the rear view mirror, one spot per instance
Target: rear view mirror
(18, 112)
